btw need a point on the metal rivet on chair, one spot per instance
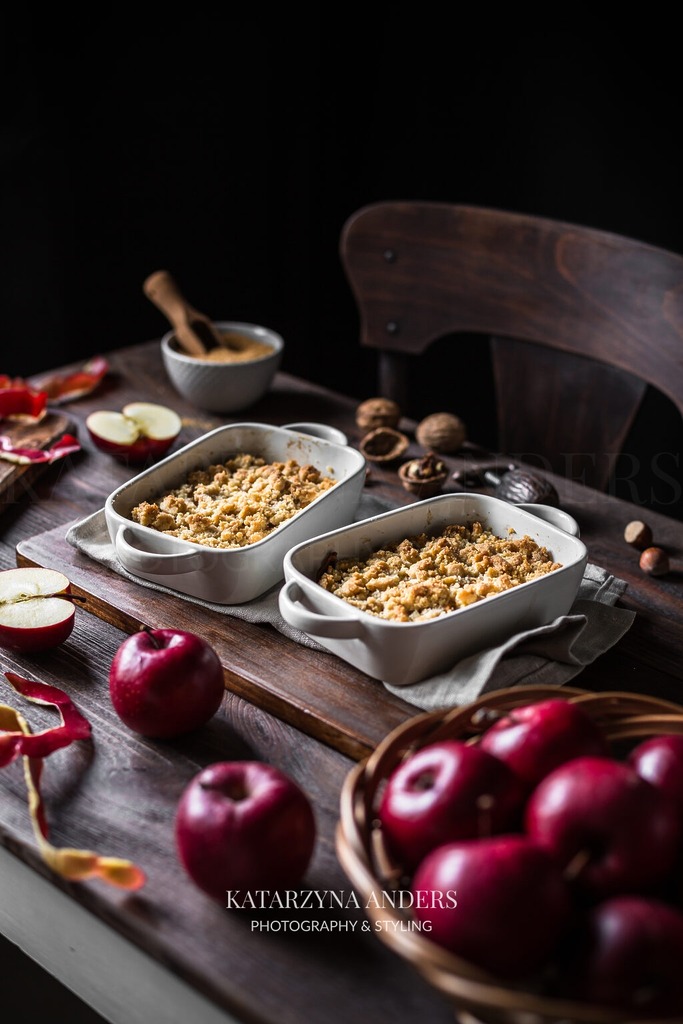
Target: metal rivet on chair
(392, 327)
(389, 256)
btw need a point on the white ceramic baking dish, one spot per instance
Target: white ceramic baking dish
(231, 575)
(404, 653)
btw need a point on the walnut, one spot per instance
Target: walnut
(377, 412)
(423, 477)
(441, 432)
(384, 444)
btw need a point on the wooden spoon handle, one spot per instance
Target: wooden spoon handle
(161, 288)
(194, 331)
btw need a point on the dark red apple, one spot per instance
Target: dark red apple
(244, 825)
(165, 682)
(659, 759)
(500, 903)
(535, 738)
(443, 792)
(611, 830)
(627, 954)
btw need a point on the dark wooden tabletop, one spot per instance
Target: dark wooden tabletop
(118, 795)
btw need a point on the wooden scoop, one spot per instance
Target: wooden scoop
(194, 331)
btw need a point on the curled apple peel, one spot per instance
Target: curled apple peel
(68, 386)
(19, 401)
(72, 864)
(67, 445)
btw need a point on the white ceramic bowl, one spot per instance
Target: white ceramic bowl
(231, 575)
(401, 653)
(223, 387)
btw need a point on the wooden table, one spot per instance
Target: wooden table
(168, 953)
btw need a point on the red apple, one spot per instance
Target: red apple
(627, 954)
(443, 792)
(611, 830)
(513, 905)
(141, 432)
(244, 825)
(535, 738)
(165, 682)
(35, 610)
(659, 759)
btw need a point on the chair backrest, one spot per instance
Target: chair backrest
(580, 320)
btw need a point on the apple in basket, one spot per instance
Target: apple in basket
(626, 952)
(244, 825)
(535, 738)
(659, 759)
(165, 682)
(446, 791)
(36, 608)
(609, 829)
(513, 904)
(140, 432)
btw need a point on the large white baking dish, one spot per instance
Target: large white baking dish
(403, 653)
(231, 575)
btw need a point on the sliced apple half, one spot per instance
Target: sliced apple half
(142, 431)
(35, 611)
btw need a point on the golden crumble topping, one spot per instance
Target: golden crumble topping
(425, 576)
(234, 503)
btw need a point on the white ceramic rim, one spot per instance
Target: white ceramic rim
(260, 333)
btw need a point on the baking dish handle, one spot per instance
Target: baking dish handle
(341, 627)
(146, 562)
(554, 516)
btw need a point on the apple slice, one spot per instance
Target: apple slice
(35, 611)
(140, 432)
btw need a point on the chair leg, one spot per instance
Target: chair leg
(393, 374)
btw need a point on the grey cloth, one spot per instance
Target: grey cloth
(549, 655)
(546, 656)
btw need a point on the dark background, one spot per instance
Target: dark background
(231, 152)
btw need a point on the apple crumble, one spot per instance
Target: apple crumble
(425, 576)
(234, 503)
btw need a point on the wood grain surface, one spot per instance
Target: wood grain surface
(117, 794)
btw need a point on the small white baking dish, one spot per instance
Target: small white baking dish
(231, 575)
(403, 653)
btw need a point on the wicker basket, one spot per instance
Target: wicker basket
(475, 995)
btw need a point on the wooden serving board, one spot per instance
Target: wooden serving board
(16, 479)
(312, 690)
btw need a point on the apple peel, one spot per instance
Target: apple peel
(19, 401)
(72, 864)
(41, 744)
(67, 445)
(69, 386)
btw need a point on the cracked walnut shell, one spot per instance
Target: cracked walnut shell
(384, 444)
(441, 432)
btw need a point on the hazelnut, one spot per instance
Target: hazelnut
(377, 412)
(654, 561)
(441, 432)
(638, 535)
(384, 444)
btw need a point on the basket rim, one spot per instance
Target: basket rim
(623, 714)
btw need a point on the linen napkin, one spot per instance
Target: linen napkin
(551, 654)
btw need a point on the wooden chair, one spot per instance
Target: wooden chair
(580, 321)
